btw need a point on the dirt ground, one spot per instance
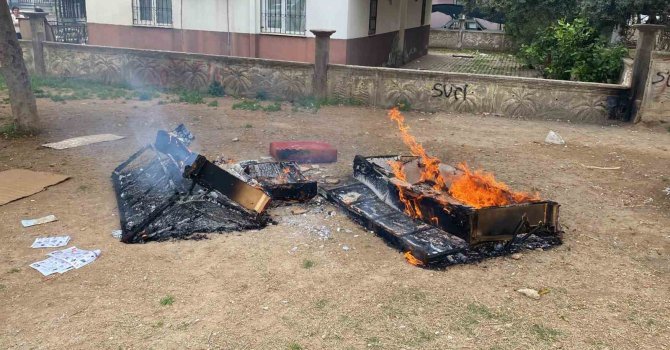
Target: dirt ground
(286, 287)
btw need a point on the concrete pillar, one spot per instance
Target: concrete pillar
(401, 29)
(645, 45)
(321, 58)
(38, 37)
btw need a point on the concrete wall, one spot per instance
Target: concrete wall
(239, 76)
(473, 93)
(656, 102)
(475, 40)
(381, 87)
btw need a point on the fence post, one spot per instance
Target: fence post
(38, 34)
(321, 58)
(641, 66)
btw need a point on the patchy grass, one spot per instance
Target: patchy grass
(191, 97)
(10, 131)
(373, 342)
(146, 95)
(309, 103)
(247, 105)
(254, 105)
(273, 107)
(158, 324)
(294, 346)
(308, 264)
(248, 126)
(474, 315)
(481, 311)
(313, 104)
(321, 304)
(545, 334)
(167, 300)
(14, 270)
(214, 103)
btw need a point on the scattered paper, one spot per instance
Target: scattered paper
(51, 265)
(531, 293)
(75, 256)
(65, 260)
(40, 221)
(51, 242)
(82, 141)
(117, 234)
(554, 138)
(600, 167)
(20, 183)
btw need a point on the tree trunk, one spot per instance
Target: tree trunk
(16, 76)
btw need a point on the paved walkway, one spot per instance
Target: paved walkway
(472, 62)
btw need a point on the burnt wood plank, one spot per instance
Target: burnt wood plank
(427, 243)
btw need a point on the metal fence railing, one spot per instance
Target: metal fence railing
(69, 32)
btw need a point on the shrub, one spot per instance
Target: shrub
(262, 95)
(216, 89)
(574, 51)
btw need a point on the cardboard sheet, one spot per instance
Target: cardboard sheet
(19, 183)
(82, 141)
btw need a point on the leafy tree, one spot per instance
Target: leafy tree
(524, 18)
(574, 51)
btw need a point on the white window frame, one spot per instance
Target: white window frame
(154, 22)
(283, 14)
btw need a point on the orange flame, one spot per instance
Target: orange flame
(412, 259)
(411, 205)
(431, 165)
(475, 188)
(283, 177)
(481, 189)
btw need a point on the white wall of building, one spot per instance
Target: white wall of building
(109, 12)
(328, 14)
(388, 16)
(348, 17)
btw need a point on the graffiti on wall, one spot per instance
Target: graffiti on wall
(453, 91)
(661, 78)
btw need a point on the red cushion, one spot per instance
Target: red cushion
(303, 151)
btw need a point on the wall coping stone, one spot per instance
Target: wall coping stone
(176, 54)
(410, 73)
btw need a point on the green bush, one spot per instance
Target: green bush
(216, 89)
(574, 51)
(262, 95)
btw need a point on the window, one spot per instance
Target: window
(152, 13)
(372, 27)
(283, 16)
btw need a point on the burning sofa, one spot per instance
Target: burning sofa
(439, 214)
(166, 191)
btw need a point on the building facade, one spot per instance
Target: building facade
(368, 32)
